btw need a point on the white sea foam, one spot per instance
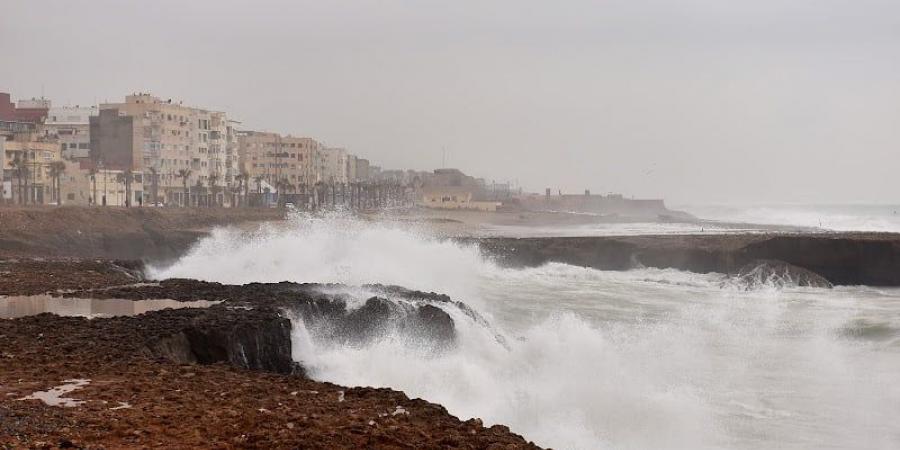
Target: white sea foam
(591, 359)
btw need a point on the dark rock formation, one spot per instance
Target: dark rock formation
(251, 339)
(842, 259)
(324, 309)
(777, 274)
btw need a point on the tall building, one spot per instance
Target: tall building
(362, 169)
(184, 151)
(286, 161)
(334, 167)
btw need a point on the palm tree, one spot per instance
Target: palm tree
(213, 178)
(240, 189)
(184, 174)
(199, 187)
(20, 169)
(125, 178)
(258, 179)
(92, 172)
(154, 189)
(57, 168)
(246, 181)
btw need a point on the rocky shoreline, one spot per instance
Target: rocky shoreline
(218, 377)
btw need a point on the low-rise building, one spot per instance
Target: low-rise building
(29, 167)
(455, 198)
(32, 111)
(452, 189)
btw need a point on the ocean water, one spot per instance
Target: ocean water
(875, 218)
(593, 359)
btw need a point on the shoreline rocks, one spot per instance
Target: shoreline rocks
(840, 258)
(220, 376)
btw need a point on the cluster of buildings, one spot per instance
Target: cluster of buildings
(149, 151)
(153, 151)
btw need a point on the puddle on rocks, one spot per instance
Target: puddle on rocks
(54, 396)
(21, 306)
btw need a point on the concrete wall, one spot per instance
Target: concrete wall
(112, 140)
(609, 204)
(455, 199)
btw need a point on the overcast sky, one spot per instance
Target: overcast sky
(697, 101)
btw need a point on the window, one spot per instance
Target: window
(83, 145)
(73, 145)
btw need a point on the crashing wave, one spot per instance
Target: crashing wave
(778, 274)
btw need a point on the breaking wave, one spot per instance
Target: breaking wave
(573, 357)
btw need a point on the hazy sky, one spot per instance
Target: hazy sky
(694, 101)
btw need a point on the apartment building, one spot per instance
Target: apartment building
(361, 169)
(70, 126)
(334, 165)
(183, 150)
(288, 161)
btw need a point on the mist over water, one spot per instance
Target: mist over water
(593, 359)
(874, 218)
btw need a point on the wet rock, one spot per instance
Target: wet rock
(871, 259)
(251, 339)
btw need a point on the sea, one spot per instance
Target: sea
(577, 358)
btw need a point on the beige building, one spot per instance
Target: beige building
(455, 198)
(184, 146)
(28, 158)
(70, 126)
(334, 165)
(286, 161)
(75, 183)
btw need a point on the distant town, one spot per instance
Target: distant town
(150, 151)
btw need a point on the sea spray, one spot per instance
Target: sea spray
(648, 358)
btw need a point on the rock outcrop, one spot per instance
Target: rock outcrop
(249, 339)
(841, 258)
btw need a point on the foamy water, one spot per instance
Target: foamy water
(593, 359)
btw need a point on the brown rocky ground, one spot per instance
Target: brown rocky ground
(114, 232)
(140, 396)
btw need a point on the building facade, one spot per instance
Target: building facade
(29, 168)
(70, 126)
(286, 162)
(185, 151)
(33, 111)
